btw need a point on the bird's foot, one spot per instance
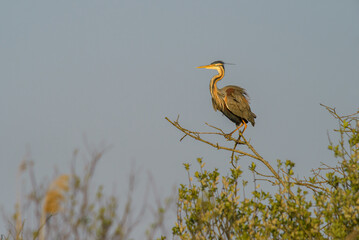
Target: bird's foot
(228, 136)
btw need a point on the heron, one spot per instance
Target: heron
(231, 100)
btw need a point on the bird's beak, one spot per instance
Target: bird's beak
(205, 66)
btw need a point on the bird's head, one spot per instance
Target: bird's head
(216, 65)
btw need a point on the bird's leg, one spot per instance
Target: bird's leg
(230, 134)
(245, 126)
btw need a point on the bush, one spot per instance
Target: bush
(322, 206)
(210, 206)
(68, 208)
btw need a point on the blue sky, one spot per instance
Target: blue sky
(111, 71)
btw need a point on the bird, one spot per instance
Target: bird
(232, 101)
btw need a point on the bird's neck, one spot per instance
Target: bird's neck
(214, 90)
(213, 84)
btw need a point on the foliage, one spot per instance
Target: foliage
(69, 209)
(324, 206)
(210, 206)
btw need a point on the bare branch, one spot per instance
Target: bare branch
(254, 154)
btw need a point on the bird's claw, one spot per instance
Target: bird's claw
(228, 136)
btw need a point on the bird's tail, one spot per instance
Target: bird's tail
(251, 119)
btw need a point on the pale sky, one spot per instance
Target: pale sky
(111, 71)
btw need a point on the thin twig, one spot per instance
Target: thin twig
(255, 155)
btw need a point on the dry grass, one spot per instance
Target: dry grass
(55, 195)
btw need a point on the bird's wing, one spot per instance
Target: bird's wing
(237, 102)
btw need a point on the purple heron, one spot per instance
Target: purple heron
(232, 101)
